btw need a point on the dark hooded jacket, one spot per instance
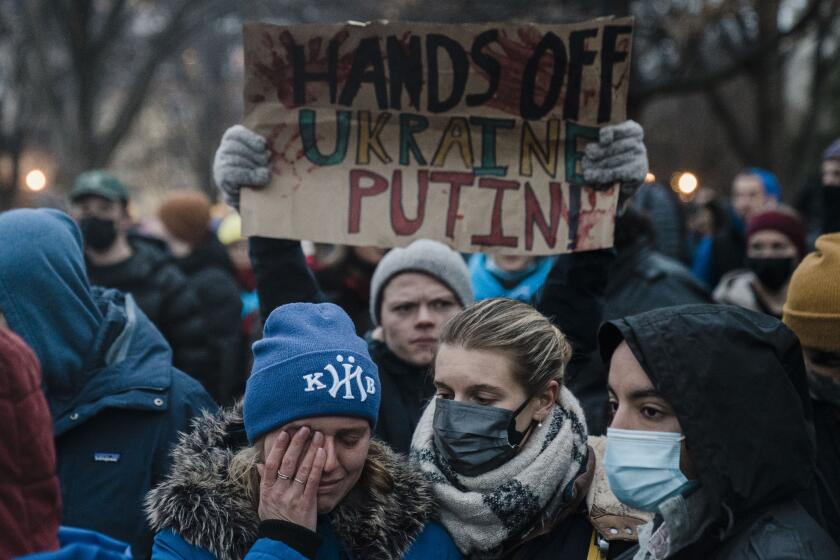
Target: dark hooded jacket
(202, 512)
(116, 402)
(211, 274)
(162, 291)
(736, 382)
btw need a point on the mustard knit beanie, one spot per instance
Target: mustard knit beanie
(812, 309)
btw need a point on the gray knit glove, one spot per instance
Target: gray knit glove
(241, 160)
(618, 156)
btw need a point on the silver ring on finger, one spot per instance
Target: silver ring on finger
(282, 476)
(302, 482)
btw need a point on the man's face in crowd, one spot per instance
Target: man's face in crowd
(748, 196)
(415, 308)
(831, 173)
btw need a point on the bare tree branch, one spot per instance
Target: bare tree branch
(168, 41)
(821, 64)
(111, 29)
(729, 122)
(36, 40)
(690, 78)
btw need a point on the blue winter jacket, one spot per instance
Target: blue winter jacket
(116, 401)
(432, 542)
(81, 544)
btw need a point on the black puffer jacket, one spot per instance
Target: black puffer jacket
(736, 381)
(161, 290)
(212, 276)
(282, 274)
(642, 279)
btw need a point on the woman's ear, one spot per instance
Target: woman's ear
(546, 399)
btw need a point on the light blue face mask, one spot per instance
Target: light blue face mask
(643, 468)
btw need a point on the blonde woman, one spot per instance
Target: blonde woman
(504, 444)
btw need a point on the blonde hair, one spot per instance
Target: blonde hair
(537, 350)
(242, 470)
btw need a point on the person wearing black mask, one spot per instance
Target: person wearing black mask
(138, 265)
(775, 245)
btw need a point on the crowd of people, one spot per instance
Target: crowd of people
(178, 390)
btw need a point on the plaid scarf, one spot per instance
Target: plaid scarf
(482, 513)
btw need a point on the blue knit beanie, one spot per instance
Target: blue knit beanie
(309, 363)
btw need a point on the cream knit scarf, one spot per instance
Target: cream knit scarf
(483, 512)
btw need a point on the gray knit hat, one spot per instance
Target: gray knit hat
(425, 256)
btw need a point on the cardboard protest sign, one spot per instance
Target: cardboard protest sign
(469, 134)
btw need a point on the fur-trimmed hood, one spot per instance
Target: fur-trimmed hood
(200, 501)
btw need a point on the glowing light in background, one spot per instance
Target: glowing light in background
(650, 178)
(687, 183)
(36, 180)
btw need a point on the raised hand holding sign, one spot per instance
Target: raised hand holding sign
(473, 135)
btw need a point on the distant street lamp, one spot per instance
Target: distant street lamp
(684, 182)
(35, 180)
(687, 183)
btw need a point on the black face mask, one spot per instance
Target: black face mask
(772, 272)
(475, 439)
(99, 234)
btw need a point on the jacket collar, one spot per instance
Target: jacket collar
(128, 366)
(198, 500)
